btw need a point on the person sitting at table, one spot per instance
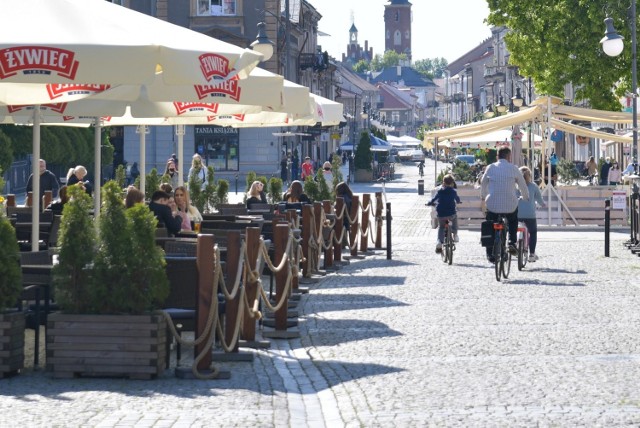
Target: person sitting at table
(134, 196)
(295, 194)
(183, 202)
(186, 224)
(167, 217)
(76, 175)
(256, 195)
(56, 206)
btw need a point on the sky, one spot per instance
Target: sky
(441, 29)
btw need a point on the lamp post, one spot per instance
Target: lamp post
(612, 45)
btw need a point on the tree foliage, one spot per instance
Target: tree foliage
(433, 68)
(389, 59)
(556, 42)
(361, 66)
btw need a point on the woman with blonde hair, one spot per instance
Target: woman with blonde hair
(255, 195)
(76, 175)
(183, 202)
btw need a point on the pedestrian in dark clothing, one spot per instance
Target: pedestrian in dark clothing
(48, 181)
(159, 205)
(604, 172)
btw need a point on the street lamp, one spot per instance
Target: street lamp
(489, 113)
(262, 44)
(501, 107)
(612, 45)
(517, 99)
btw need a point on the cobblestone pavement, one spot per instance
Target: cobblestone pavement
(407, 342)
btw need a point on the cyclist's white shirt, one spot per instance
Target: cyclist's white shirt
(498, 187)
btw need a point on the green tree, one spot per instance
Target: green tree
(556, 42)
(6, 152)
(363, 156)
(389, 59)
(10, 273)
(434, 68)
(361, 66)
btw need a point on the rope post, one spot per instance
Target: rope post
(353, 231)
(388, 216)
(251, 287)
(378, 243)
(633, 240)
(306, 235)
(11, 200)
(339, 229)
(328, 252)
(29, 201)
(607, 225)
(234, 243)
(280, 239)
(206, 267)
(364, 236)
(292, 218)
(317, 236)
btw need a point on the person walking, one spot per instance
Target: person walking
(198, 170)
(499, 195)
(48, 181)
(604, 172)
(307, 169)
(171, 171)
(615, 174)
(527, 211)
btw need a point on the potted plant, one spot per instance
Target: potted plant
(363, 159)
(11, 321)
(274, 194)
(107, 326)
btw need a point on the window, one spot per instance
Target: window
(395, 116)
(216, 7)
(218, 146)
(397, 38)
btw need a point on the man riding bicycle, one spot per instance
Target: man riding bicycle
(499, 195)
(421, 168)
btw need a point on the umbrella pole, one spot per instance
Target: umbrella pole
(97, 151)
(180, 132)
(142, 131)
(35, 182)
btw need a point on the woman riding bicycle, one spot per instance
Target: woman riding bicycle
(447, 197)
(527, 212)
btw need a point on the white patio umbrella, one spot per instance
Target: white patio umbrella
(76, 41)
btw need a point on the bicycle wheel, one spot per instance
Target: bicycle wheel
(522, 255)
(449, 246)
(443, 251)
(497, 255)
(506, 263)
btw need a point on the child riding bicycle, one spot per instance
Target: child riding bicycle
(447, 197)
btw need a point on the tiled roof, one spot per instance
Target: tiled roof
(411, 77)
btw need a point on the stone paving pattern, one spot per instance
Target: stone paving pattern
(407, 342)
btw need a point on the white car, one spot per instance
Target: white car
(417, 155)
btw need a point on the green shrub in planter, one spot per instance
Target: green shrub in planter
(77, 239)
(274, 194)
(311, 188)
(10, 273)
(363, 157)
(129, 270)
(222, 190)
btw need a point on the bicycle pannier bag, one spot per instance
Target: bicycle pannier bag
(486, 233)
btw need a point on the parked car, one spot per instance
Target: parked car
(470, 159)
(417, 155)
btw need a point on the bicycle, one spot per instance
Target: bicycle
(448, 245)
(523, 245)
(421, 169)
(501, 255)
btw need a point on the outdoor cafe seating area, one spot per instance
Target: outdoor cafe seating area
(257, 261)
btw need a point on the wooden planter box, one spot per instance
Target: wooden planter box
(363, 176)
(11, 343)
(130, 346)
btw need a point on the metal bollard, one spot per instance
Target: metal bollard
(388, 216)
(420, 187)
(607, 224)
(633, 213)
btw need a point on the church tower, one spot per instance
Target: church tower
(397, 27)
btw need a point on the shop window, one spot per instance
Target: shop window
(218, 146)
